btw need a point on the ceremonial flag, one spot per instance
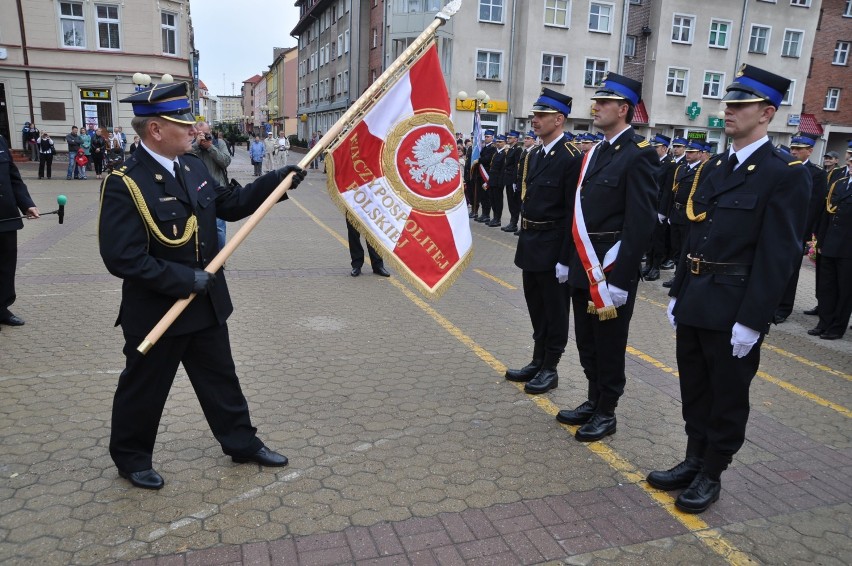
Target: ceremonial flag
(395, 172)
(477, 134)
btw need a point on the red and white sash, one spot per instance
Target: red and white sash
(484, 174)
(601, 303)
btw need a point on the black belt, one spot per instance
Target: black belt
(604, 237)
(678, 206)
(698, 266)
(546, 225)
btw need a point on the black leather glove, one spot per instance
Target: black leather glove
(203, 282)
(297, 178)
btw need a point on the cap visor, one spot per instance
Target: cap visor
(543, 109)
(187, 119)
(742, 97)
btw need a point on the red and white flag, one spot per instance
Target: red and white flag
(396, 174)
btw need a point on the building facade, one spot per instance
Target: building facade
(230, 109)
(66, 63)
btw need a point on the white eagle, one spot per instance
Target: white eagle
(432, 161)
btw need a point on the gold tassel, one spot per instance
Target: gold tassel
(608, 313)
(591, 308)
(832, 209)
(690, 211)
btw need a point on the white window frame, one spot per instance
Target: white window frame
(721, 83)
(375, 41)
(790, 94)
(685, 79)
(768, 37)
(801, 3)
(847, 9)
(630, 42)
(564, 67)
(345, 82)
(609, 18)
(832, 95)
(77, 21)
(594, 84)
(340, 45)
(492, 5)
(841, 51)
(173, 29)
(109, 22)
(784, 42)
(555, 9)
(488, 65)
(684, 17)
(346, 41)
(729, 25)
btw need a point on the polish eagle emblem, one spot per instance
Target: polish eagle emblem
(432, 161)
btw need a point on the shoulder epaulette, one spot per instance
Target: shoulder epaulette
(786, 157)
(812, 164)
(797, 162)
(572, 149)
(643, 143)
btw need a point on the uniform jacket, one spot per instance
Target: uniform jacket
(666, 167)
(682, 179)
(497, 170)
(156, 274)
(835, 230)
(467, 163)
(755, 216)
(836, 173)
(14, 197)
(550, 184)
(818, 193)
(486, 154)
(514, 155)
(618, 195)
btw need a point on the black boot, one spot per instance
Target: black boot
(679, 477)
(528, 372)
(601, 424)
(546, 378)
(579, 416)
(653, 274)
(701, 493)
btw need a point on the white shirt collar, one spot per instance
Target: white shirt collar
(746, 152)
(615, 137)
(168, 164)
(552, 144)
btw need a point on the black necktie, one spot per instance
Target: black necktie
(598, 151)
(732, 162)
(178, 175)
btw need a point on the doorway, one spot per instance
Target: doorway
(96, 108)
(4, 116)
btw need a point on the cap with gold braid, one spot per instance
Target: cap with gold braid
(753, 84)
(169, 101)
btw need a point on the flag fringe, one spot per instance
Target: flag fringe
(604, 313)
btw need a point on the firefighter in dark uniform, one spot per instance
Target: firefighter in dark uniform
(530, 146)
(674, 198)
(747, 214)
(157, 232)
(496, 174)
(801, 147)
(483, 195)
(514, 153)
(468, 180)
(612, 229)
(549, 181)
(834, 240)
(657, 252)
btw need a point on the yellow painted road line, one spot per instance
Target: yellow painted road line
(512, 246)
(806, 394)
(495, 279)
(702, 531)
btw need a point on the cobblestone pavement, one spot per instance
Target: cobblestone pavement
(406, 445)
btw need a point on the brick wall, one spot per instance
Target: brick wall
(377, 22)
(833, 27)
(638, 17)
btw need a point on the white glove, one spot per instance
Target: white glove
(514, 187)
(742, 339)
(670, 314)
(661, 218)
(561, 273)
(669, 221)
(618, 296)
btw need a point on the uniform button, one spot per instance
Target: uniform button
(174, 213)
(710, 220)
(203, 244)
(736, 202)
(704, 238)
(715, 202)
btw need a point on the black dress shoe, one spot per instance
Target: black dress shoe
(678, 477)
(813, 312)
(381, 271)
(471, 215)
(511, 227)
(264, 457)
(12, 320)
(524, 374)
(653, 274)
(517, 232)
(146, 479)
(356, 271)
(668, 264)
(483, 218)
(669, 283)
(545, 380)
(700, 494)
(830, 336)
(579, 416)
(816, 331)
(494, 223)
(599, 426)
(779, 319)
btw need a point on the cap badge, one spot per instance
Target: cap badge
(741, 72)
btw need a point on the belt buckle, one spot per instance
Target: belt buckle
(593, 280)
(695, 265)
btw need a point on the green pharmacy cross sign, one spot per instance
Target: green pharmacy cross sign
(714, 122)
(693, 110)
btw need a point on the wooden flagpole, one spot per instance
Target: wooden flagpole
(374, 91)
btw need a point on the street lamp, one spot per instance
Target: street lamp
(481, 97)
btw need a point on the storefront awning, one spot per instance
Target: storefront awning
(641, 114)
(809, 125)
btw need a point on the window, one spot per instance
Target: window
(847, 10)
(713, 82)
(72, 24)
(719, 33)
(556, 13)
(375, 38)
(108, 36)
(630, 46)
(792, 46)
(788, 96)
(340, 45)
(552, 68)
(491, 11)
(596, 70)
(339, 83)
(168, 26)
(841, 53)
(600, 17)
(759, 39)
(346, 41)
(832, 99)
(677, 81)
(682, 28)
(488, 65)
(345, 82)
(803, 3)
